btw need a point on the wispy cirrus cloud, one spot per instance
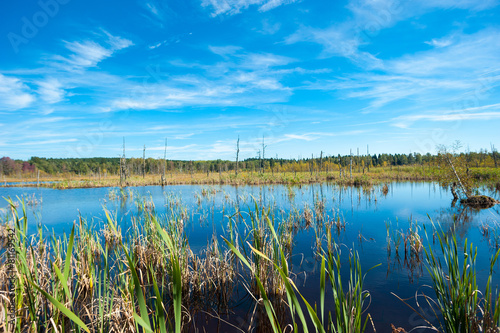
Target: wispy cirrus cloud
(14, 94)
(44, 142)
(485, 112)
(88, 53)
(235, 80)
(231, 7)
(312, 136)
(337, 41)
(368, 17)
(442, 74)
(51, 90)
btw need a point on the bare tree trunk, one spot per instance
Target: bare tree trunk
(123, 167)
(369, 158)
(144, 162)
(357, 162)
(493, 152)
(456, 175)
(237, 154)
(164, 177)
(263, 156)
(321, 162)
(350, 164)
(312, 163)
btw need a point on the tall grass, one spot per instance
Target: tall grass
(150, 280)
(463, 306)
(104, 282)
(350, 298)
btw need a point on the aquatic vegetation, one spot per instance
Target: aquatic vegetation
(412, 247)
(459, 305)
(349, 303)
(458, 298)
(31, 200)
(148, 276)
(385, 189)
(84, 281)
(491, 233)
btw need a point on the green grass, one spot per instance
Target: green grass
(463, 306)
(149, 280)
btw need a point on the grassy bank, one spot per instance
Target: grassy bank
(374, 176)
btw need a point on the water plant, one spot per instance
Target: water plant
(458, 297)
(350, 301)
(459, 304)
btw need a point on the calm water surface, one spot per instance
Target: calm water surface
(365, 211)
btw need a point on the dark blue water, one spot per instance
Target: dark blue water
(366, 212)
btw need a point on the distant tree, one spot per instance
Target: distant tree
(27, 167)
(9, 166)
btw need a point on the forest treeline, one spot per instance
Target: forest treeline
(139, 166)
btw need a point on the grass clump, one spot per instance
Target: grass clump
(459, 304)
(458, 297)
(350, 298)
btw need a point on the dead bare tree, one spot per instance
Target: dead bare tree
(123, 166)
(237, 154)
(350, 162)
(163, 177)
(454, 173)
(144, 162)
(320, 161)
(494, 154)
(263, 156)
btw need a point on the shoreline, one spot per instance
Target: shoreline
(485, 176)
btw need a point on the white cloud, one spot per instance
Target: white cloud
(86, 53)
(476, 5)
(269, 28)
(45, 142)
(470, 54)
(117, 43)
(337, 41)
(231, 7)
(443, 42)
(449, 74)
(369, 16)
(485, 112)
(89, 53)
(346, 39)
(236, 80)
(317, 135)
(14, 94)
(157, 45)
(304, 137)
(225, 50)
(51, 91)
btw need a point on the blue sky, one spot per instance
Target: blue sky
(310, 76)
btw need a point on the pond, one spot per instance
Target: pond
(367, 212)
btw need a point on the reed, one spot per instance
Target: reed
(350, 300)
(92, 281)
(148, 279)
(491, 233)
(459, 304)
(463, 306)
